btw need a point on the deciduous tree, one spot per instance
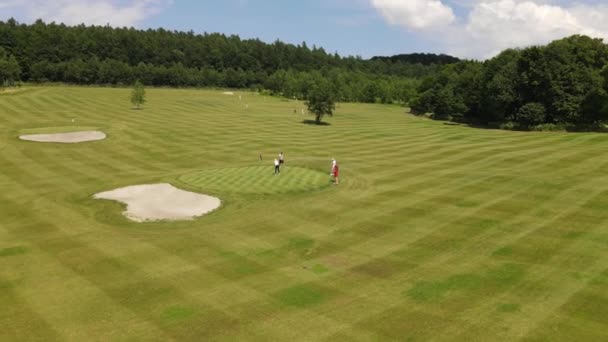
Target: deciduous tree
(321, 101)
(138, 95)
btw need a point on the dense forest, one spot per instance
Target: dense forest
(106, 55)
(561, 85)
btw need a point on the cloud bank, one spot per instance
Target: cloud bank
(91, 12)
(487, 27)
(416, 14)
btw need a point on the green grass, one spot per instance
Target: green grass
(177, 313)
(301, 296)
(256, 179)
(319, 269)
(436, 232)
(508, 308)
(10, 251)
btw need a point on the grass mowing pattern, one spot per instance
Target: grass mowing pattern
(436, 232)
(301, 296)
(256, 180)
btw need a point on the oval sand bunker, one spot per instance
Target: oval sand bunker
(66, 138)
(155, 202)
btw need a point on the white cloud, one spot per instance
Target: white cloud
(92, 12)
(496, 25)
(9, 4)
(490, 26)
(415, 14)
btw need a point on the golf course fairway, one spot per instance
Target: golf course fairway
(435, 232)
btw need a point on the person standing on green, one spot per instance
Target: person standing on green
(336, 174)
(277, 166)
(334, 170)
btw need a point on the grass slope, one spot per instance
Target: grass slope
(435, 232)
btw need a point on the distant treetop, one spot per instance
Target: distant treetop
(420, 58)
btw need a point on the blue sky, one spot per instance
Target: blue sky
(336, 26)
(466, 28)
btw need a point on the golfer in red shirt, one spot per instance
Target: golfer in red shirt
(335, 170)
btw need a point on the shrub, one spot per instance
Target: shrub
(531, 114)
(509, 125)
(548, 127)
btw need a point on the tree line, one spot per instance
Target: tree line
(420, 58)
(558, 86)
(49, 52)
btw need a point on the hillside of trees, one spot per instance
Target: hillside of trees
(558, 86)
(120, 56)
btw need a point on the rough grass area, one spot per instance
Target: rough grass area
(436, 232)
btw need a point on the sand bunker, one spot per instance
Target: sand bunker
(67, 138)
(157, 202)
(228, 93)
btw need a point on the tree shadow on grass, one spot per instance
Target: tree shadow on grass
(315, 123)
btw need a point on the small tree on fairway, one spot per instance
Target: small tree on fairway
(138, 95)
(321, 101)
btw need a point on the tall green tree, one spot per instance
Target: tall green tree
(321, 101)
(561, 75)
(452, 93)
(138, 95)
(9, 69)
(564, 83)
(500, 96)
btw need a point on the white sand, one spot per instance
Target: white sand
(156, 202)
(67, 138)
(228, 93)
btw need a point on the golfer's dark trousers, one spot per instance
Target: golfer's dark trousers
(277, 169)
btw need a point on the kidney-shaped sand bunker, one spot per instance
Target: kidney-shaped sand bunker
(156, 202)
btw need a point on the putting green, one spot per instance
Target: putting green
(257, 180)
